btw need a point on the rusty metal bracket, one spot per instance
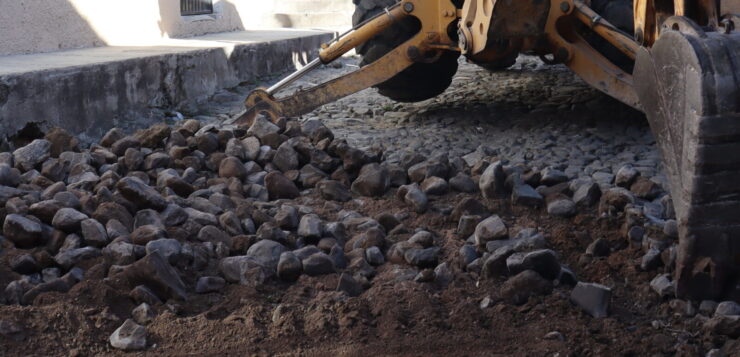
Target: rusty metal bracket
(606, 30)
(572, 50)
(306, 100)
(435, 17)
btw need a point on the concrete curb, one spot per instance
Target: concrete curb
(132, 87)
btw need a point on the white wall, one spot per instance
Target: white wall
(32, 26)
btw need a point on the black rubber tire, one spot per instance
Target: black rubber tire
(501, 64)
(420, 81)
(619, 14)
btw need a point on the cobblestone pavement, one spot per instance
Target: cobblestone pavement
(538, 115)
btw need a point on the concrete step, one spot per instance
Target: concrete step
(313, 6)
(338, 19)
(89, 91)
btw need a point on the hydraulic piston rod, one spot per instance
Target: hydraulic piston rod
(294, 76)
(345, 44)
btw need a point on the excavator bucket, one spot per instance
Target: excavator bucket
(689, 87)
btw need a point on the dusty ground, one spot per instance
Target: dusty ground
(397, 315)
(394, 317)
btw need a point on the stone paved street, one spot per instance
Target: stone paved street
(538, 115)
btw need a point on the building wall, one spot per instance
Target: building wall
(730, 6)
(33, 26)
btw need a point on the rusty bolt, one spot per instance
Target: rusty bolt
(414, 53)
(408, 7)
(564, 6)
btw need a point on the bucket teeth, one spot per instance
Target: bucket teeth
(689, 87)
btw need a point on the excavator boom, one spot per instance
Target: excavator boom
(679, 64)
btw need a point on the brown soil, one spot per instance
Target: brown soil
(394, 317)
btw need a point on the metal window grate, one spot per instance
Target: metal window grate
(196, 7)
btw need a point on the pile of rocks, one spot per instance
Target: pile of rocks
(237, 205)
(141, 209)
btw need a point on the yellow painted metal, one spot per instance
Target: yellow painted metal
(571, 49)
(361, 35)
(435, 18)
(606, 30)
(558, 32)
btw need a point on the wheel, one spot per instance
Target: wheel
(420, 81)
(500, 64)
(619, 14)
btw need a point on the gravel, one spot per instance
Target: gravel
(281, 199)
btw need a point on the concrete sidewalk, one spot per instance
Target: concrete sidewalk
(89, 91)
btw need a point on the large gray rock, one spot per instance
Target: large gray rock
(525, 195)
(70, 257)
(24, 264)
(544, 261)
(334, 190)
(286, 158)
(310, 226)
(463, 183)
(278, 186)
(551, 177)
(232, 167)
(435, 186)
(587, 194)
(414, 196)
(349, 285)
(235, 148)
(626, 176)
(68, 219)
(146, 234)
(262, 127)
(267, 252)
(23, 232)
(121, 253)
(724, 325)
(202, 218)
(289, 267)
(9, 176)
(209, 284)
(174, 215)
(592, 298)
(94, 233)
(561, 207)
(466, 225)
(422, 258)
(236, 269)
(169, 249)
(251, 147)
(374, 256)
(492, 180)
(318, 264)
(495, 264)
(32, 154)
(491, 228)
(519, 288)
(140, 194)
(156, 273)
(373, 181)
(727, 308)
(663, 286)
(61, 285)
(170, 178)
(143, 313)
(129, 337)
